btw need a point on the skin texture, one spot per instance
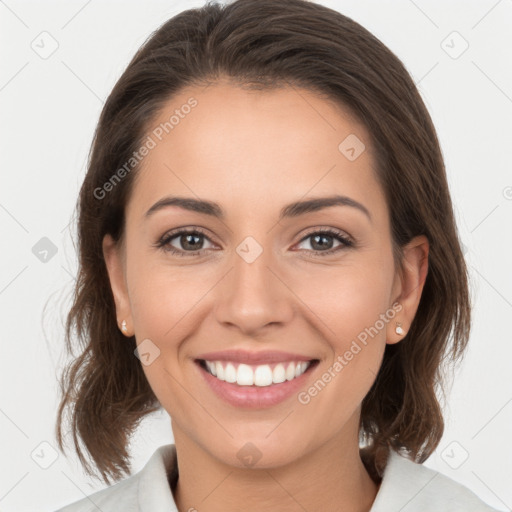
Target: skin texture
(253, 152)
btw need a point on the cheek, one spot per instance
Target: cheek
(161, 296)
(350, 307)
(162, 306)
(352, 328)
(348, 298)
(168, 303)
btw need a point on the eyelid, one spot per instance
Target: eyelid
(330, 231)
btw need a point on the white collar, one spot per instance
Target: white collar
(405, 486)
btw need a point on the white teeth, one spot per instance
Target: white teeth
(230, 373)
(279, 374)
(211, 367)
(219, 370)
(244, 375)
(263, 375)
(298, 370)
(290, 371)
(260, 375)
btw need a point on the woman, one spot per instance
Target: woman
(268, 251)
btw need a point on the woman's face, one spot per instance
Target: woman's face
(260, 275)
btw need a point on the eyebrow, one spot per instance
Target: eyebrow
(289, 211)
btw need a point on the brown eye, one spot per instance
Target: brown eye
(322, 242)
(184, 242)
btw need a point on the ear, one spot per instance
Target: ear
(115, 262)
(408, 286)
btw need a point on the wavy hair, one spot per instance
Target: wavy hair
(264, 45)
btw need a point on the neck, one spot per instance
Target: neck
(331, 477)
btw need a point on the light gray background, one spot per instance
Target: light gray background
(49, 109)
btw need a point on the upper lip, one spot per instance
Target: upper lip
(248, 357)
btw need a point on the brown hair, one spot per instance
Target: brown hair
(266, 44)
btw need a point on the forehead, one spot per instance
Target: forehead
(251, 148)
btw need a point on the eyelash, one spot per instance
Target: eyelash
(164, 242)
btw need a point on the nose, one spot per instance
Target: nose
(253, 296)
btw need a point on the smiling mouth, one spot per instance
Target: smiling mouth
(261, 375)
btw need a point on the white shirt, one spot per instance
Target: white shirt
(406, 487)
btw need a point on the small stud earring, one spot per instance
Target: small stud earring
(123, 326)
(399, 329)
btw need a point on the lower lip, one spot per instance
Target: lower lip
(256, 397)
